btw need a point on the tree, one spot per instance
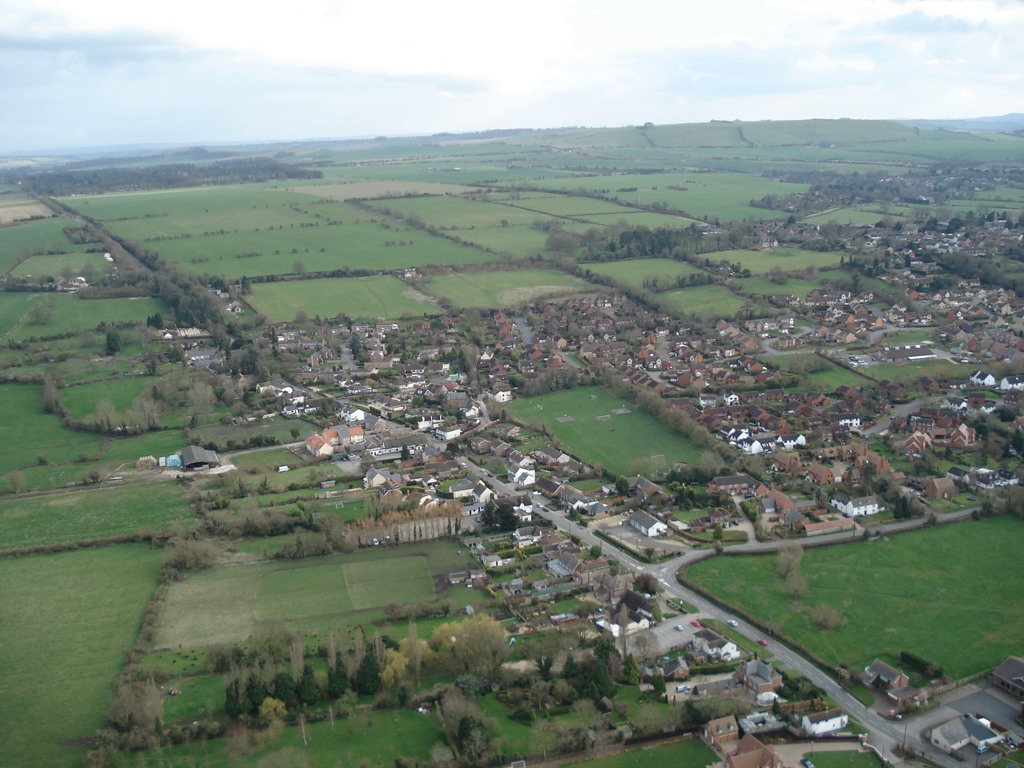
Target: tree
(631, 670)
(136, 705)
(825, 616)
(414, 652)
(368, 675)
(113, 344)
(272, 710)
(309, 692)
(393, 669)
(791, 553)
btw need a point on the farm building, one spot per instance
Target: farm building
(647, 524)
(194, 457)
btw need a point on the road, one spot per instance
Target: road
(883, 734)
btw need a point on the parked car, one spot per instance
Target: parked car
(678, 627)
(806, 763)
(683, 689)
(696, 623)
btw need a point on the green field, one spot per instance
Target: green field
(623, 444)
(360, 297)
(365, 738)
(492, 290)
(83, 515)
(26, 432)
(81, 400)
(689, 753)
(71, 314)
(636, 272)
(789, 259)
(67, 618)
(844, 759)
(225, 604)
(917, 592)
(55, 265)
(13, 309)
(709, 301)
(28, 237)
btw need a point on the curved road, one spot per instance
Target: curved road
(883, 734)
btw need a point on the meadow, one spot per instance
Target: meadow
(368, 298)
(493, 290)
(93, 513)
(635, 272)
(81, 400)
(227, 604)
(688, 753)
(788, 259)
(67, 618)
(56, 265)
(14, 307)
(623, 444)
(704, 300)
(27, 237)
(940, 593)
(71, 314)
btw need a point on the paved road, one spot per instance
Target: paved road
(883, 734)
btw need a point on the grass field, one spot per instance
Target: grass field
(624, 443)
(83, 515)
(26, 432)
(71, 314)
(689, 753)
(31, 236)
(365, 738)
(932, 575)
(789, 259)
(14, 307)
(359, 297)
(81, 400)
(705, 300)
(844, 759)
(226, 604)
(67, 618)
(762, 286)
(55, 265)
(635, 271)
(492, 290)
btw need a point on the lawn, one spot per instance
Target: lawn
(362, 297)
(493, 290)
(625, 443)
(67, 618)
(81, 400)
(83, 515)
(844, 759)
(789, 259)
(226, 604)
(641, 273)
(708, 301)
(917, 592)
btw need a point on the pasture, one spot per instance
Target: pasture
(71, 314)
(358, 297)
(688, 753)
(493, 290)
(709, 301)
(623, 443)
(916, 592)
(81, 400)
(22, 239)
(642, 273)
(14, 307)
(788, 259)
(94, 513)
(227, 604)
(67, 618)
(73, 264)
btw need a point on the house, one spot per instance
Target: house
(828, 721)
(855, 507)
(940, 488)
(647, 525)
(758, 677)
(527, 537)
(961, 731)
(481, 493)
(1010, 676)
(1012, 383)
(711, 645)
(751, 753)
(721, 733)
(463, 489)
(521, 477)
(881, 675)
(736, 485)
(983, 379)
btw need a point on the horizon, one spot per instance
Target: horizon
(107, 75)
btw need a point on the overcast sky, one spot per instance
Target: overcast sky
(109, 72)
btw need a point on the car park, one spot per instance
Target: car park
(679, 627)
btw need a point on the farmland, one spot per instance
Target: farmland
(704, 300)
(83, 515)
(226, 604)
(67, 619)
(70, 314)
(623, 444)
(788, 259)
(362, 298)
(492, 290)
(937, 576)
(640, 273)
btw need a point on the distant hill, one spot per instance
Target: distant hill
(1001, 124)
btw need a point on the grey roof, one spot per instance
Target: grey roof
(195, 454)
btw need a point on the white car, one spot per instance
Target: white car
(682, 689)
(678, 627)
(733, 623)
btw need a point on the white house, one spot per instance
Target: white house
(1012, 383)
(712, 645)
(647, 524)
(521, 476)
(983, 379)
(961, 731)
(502, 395)
(855, 507)
(820, 723)
(463, 489)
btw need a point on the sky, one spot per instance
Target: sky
(124, 72)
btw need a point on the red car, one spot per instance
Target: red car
(763, 642)
(696, 623)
